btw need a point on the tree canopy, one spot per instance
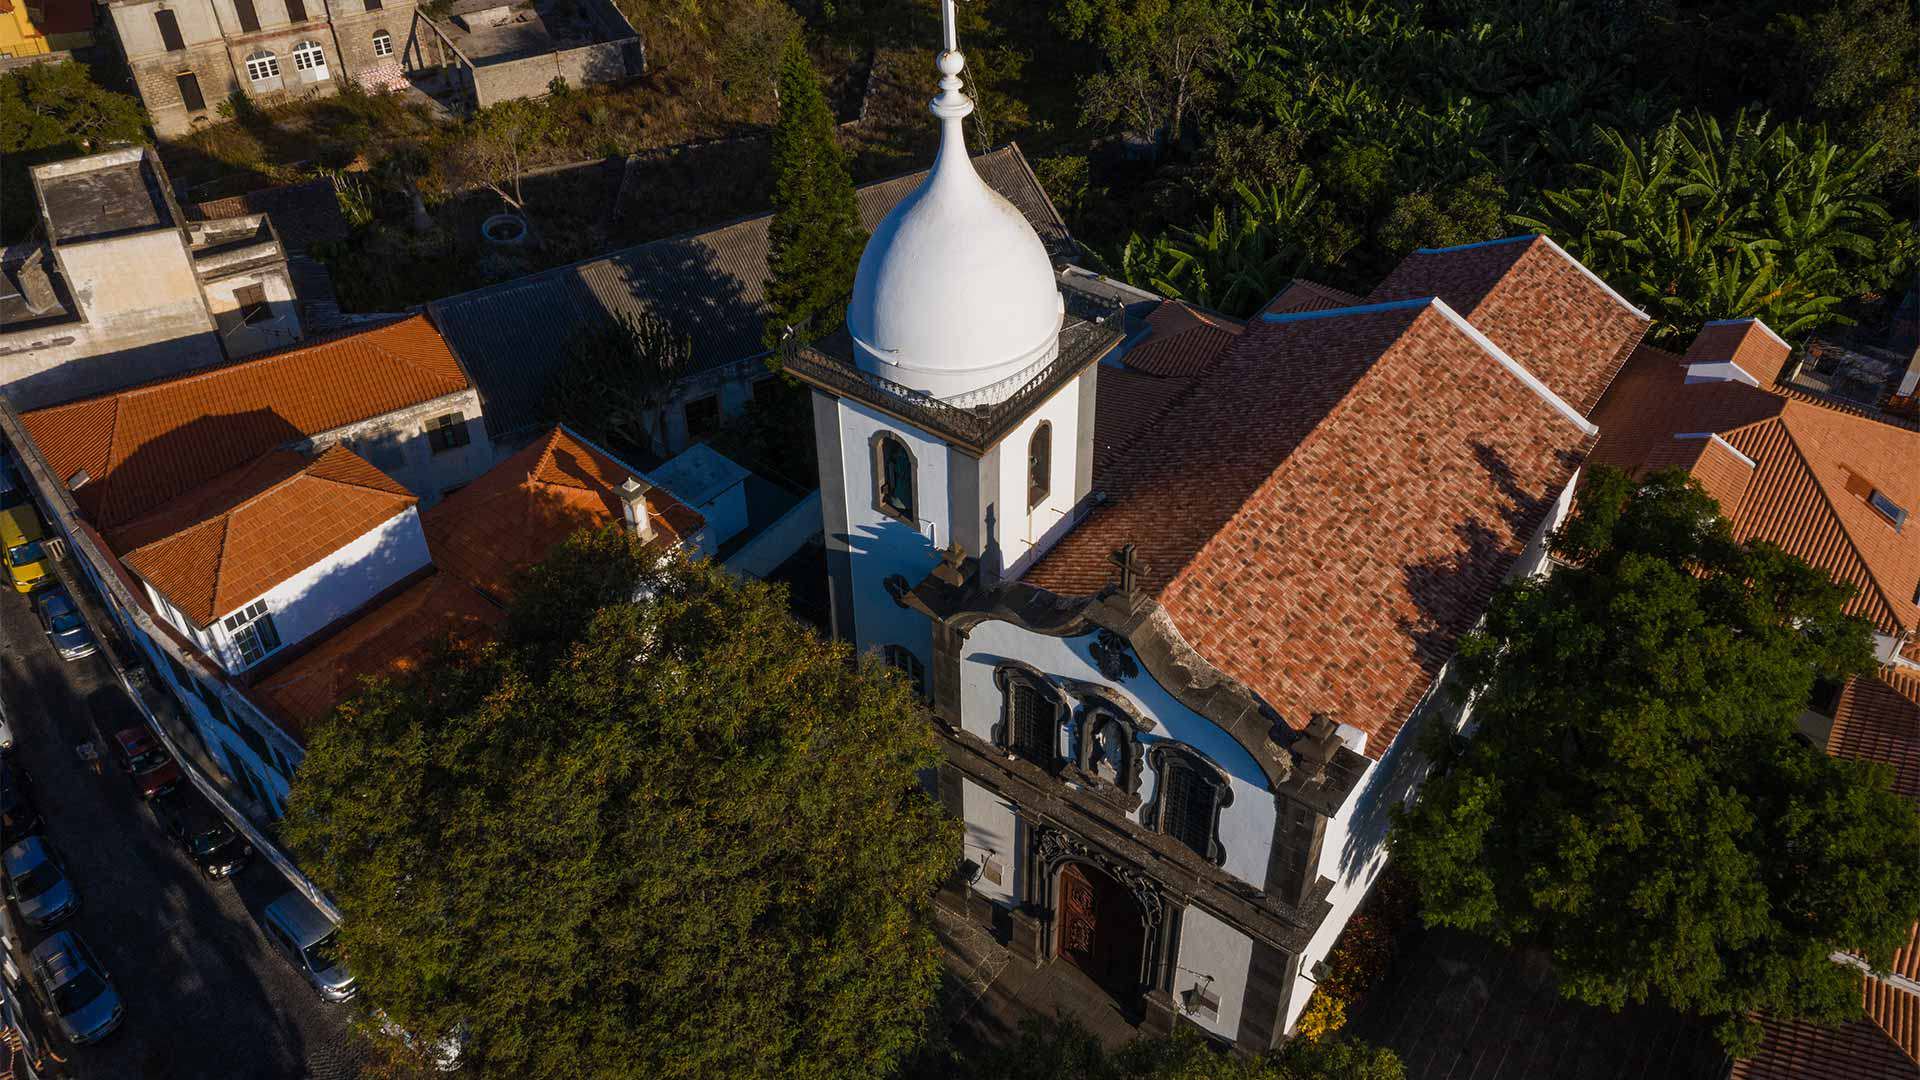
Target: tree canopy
(815, 237)
(675, 838)
(53, 111)
(617, 377)
(1634, 795)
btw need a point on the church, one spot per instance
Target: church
(1179, 591)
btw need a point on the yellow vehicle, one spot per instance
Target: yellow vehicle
(28, 566)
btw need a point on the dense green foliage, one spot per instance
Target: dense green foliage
(1428, 122)
(815, 237)
(1064, 1051)
(1705, 221)
(675, 838)
(49, 112)
(1634, 796)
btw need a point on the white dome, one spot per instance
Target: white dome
(955, 292)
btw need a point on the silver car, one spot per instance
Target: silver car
(311, 943)
(63, 624)
(79, 993)
(37, 882)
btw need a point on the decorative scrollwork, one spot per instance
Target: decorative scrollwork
(1054, 845)
(1113, 656)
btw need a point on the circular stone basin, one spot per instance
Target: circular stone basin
(506, 230)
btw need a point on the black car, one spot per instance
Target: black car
(204, 835)
(18, 816)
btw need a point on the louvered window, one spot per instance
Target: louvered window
(1190, 795)
(1033, 721)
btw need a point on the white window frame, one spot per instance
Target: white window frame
(243, 628)
(263, 67)
(382, 43)
(310, 62)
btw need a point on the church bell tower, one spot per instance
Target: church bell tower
(955, 411)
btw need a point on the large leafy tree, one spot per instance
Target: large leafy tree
(1161, 59)
(679, 837)
(1634, 796)
(616, 379)
(815, 236)
(53, 111)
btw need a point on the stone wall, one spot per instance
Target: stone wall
(606, 61)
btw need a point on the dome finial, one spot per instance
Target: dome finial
(951, 104)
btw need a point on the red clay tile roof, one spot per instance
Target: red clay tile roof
(1303, 295)
(1808, 493)
(1536, 302)
(1181, 341)
(1747, 343)
(510, 518)
(388, 640)
(1878, 719)
(145, 445)
(1126, 405)
(215, 548)
(1797, 1050)
(1332, 505)
(1722, 470)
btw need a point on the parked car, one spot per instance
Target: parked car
(60, 619)
(311, 943)
(18, 815)
(204, 835)
(153, 770)
(28, 566)
(79, 992)
(37, 882)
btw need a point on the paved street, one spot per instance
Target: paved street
(205, 995)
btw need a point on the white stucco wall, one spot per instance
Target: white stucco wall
(881, 546)
(991, 828)
(1246, 824)
(1021, 531)
(139, 34)
(344, 580)
(1211, 947)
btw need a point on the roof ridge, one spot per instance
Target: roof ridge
(219, 566)
(1846, 534)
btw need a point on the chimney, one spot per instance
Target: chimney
(633, 506)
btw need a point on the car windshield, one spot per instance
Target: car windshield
(149, 759)
(208, 841)
(324, 954)
(67, 622)
(36, 881)
(78, 993)
(22, 554)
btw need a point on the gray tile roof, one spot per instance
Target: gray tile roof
(711, 285)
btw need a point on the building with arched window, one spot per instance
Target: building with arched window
(1183, 588)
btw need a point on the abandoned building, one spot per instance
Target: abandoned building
(483, 52)
(118, 287)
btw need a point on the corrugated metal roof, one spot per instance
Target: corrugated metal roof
(710, 284)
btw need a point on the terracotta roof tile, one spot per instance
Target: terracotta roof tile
(1126, 405)
(1878, 719)
(211, 550)
(1332, 505)
(1722, 470)
(1746, 343)
(1895, 1011)
(510, 518)
(1816, 467)
(144, 445)
(1303, 295)
(1180, 341)
(1797, 1050)
(1536, 302)
(388, 640)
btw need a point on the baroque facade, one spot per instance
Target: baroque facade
(1179, 590)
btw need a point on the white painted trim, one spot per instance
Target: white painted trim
(1593, 277)
(1891, 978)
(1712, 436)
(1777, 339)
(1707, 371)
(1527, 377)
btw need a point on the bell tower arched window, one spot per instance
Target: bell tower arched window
(1187, 800)
(1032, 713)
(893, 479)
(1039, 465)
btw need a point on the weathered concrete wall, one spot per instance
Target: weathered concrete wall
(397, 444)
(608, 61)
